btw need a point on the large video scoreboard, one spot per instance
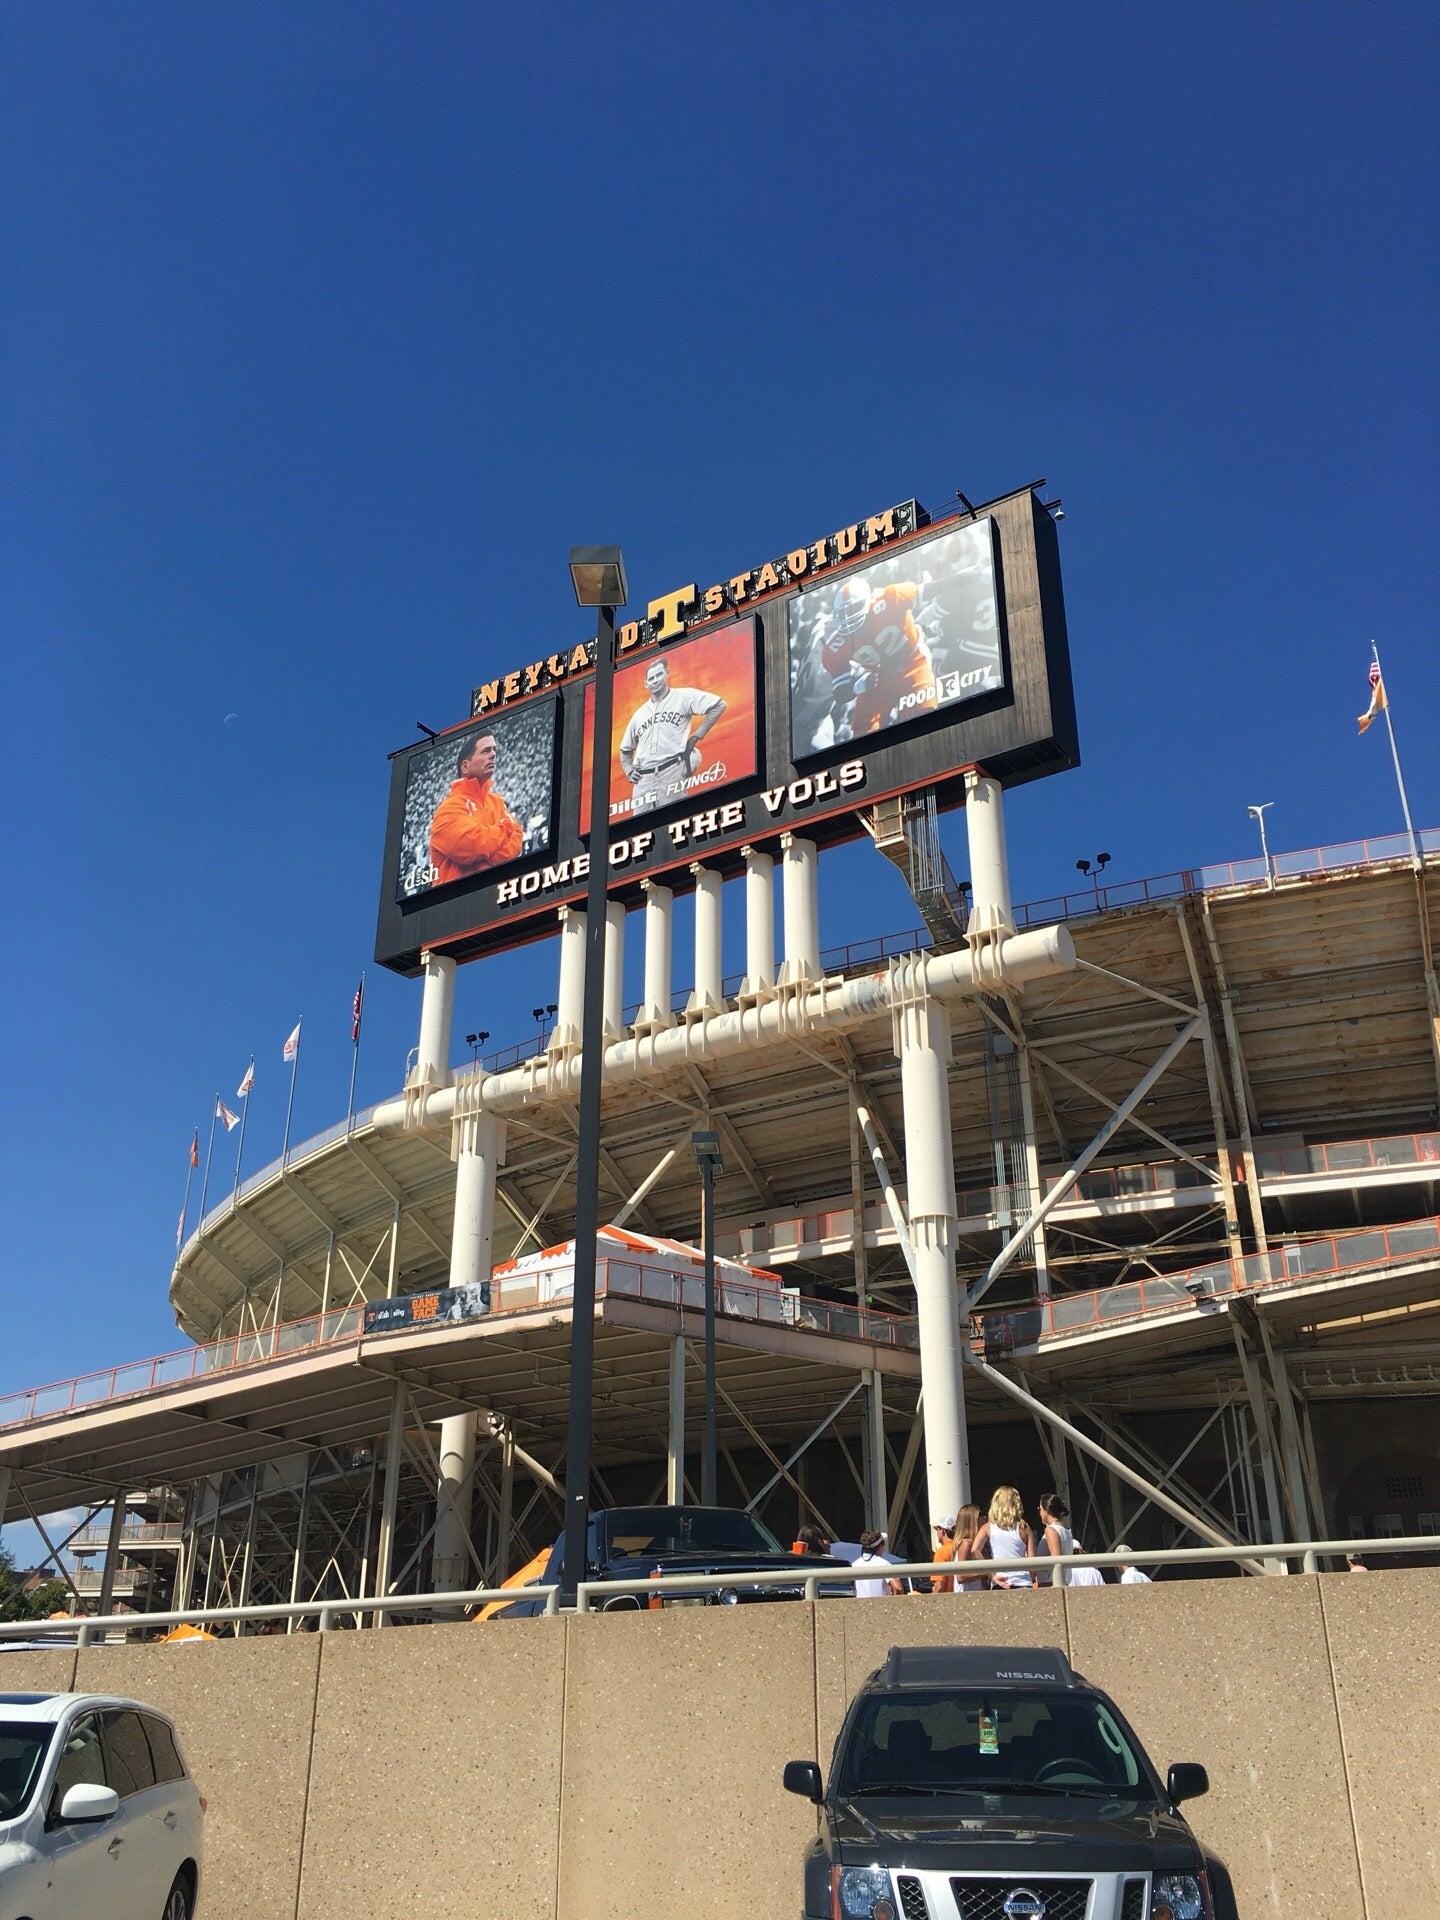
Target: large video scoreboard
(887, 657)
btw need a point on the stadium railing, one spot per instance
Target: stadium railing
(1259, 1557)
(858, 955)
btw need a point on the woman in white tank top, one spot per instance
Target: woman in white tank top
(1058, 1538)
(1008, 1535)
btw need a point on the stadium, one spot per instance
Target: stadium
(1139, 1185)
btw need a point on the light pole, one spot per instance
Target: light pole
(1093, 871)
(598, 574)
(1257, 814)
(707, 1153)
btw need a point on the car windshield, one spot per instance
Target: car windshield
(666, 1530)
(968, 1740)
(23, 1745)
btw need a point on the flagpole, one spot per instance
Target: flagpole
(355, 1054)
(185, 1203)
(1395, 756)
(240, 1150)
(290, 1103)
(209, 1155)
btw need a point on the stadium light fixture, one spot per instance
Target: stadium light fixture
(598, 577)
(708, 1156)
(1257, 814)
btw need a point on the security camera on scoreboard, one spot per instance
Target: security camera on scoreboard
(887, 657)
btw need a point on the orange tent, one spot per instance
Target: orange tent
(532, 1570)
(184, 1634)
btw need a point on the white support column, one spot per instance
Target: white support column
(922, 1041)
(675, 1447)
(437, 1010)
(394, 1456)
(1038, 1246)
(759, 925)
(479, 1151)
(801, 910)
(565, 1034)
(991, 916)
(614, 970)
(655, 1006)
(453, 1567)
(479, 1147)
(709, 992)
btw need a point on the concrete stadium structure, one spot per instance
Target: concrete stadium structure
(1172, 1146)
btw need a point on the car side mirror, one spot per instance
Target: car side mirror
(85, 1805)
(1186, 1780)
(803, 1777)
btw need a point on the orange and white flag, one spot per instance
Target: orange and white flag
(1378, 702)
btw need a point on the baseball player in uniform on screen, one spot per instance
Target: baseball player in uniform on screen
(660, 746)
(874, 639)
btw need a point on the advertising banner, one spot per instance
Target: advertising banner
(446, 1306)
(684, 724)
(478, 799)
(895, 641)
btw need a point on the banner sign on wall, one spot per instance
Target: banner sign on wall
(446, 1306)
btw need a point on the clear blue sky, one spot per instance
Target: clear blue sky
(327, 328)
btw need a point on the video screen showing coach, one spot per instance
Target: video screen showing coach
(478, 799)
(684, 723)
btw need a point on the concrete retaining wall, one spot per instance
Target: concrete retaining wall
(373, 1775)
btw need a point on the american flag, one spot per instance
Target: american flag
(1378, 702)
(357, 1008)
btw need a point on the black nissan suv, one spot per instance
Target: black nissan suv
(994, 1783)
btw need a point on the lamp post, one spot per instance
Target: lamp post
(707, 1153)
(1257, 814)
(1093, 871)
(598, 575)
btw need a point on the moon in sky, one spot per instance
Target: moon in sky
(229, 717)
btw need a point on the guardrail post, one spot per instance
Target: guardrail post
(582, 1598)
(326, 1619)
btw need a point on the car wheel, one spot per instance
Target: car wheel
(177, 1901)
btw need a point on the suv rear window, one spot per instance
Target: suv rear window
(976, 1740)
(163, 1750)
(127, 1754)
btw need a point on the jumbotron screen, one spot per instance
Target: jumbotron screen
(683, 724)
(478, 799)
(895, 641)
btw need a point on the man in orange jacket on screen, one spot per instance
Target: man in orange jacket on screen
(473, 828)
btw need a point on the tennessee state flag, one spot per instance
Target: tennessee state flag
(1378, 702)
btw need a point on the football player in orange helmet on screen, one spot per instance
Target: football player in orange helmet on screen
(874, 640)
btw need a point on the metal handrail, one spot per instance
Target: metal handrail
(624, 1278)
(82, 1632)
(1304, 1260)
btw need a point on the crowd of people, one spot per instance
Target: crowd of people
(980, 1549)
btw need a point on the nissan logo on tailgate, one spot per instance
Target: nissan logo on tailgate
(1022, 1904)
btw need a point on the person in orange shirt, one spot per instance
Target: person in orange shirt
(472, 827)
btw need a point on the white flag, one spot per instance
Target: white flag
(222, 1112)
(179, 1229)
(292, 1045)
(247, 1083)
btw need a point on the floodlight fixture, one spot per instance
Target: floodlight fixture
(598, 576)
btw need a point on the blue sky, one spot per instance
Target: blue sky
(328, 328)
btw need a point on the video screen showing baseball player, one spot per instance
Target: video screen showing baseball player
(890, 642)
(478, 798)
(683, 725)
